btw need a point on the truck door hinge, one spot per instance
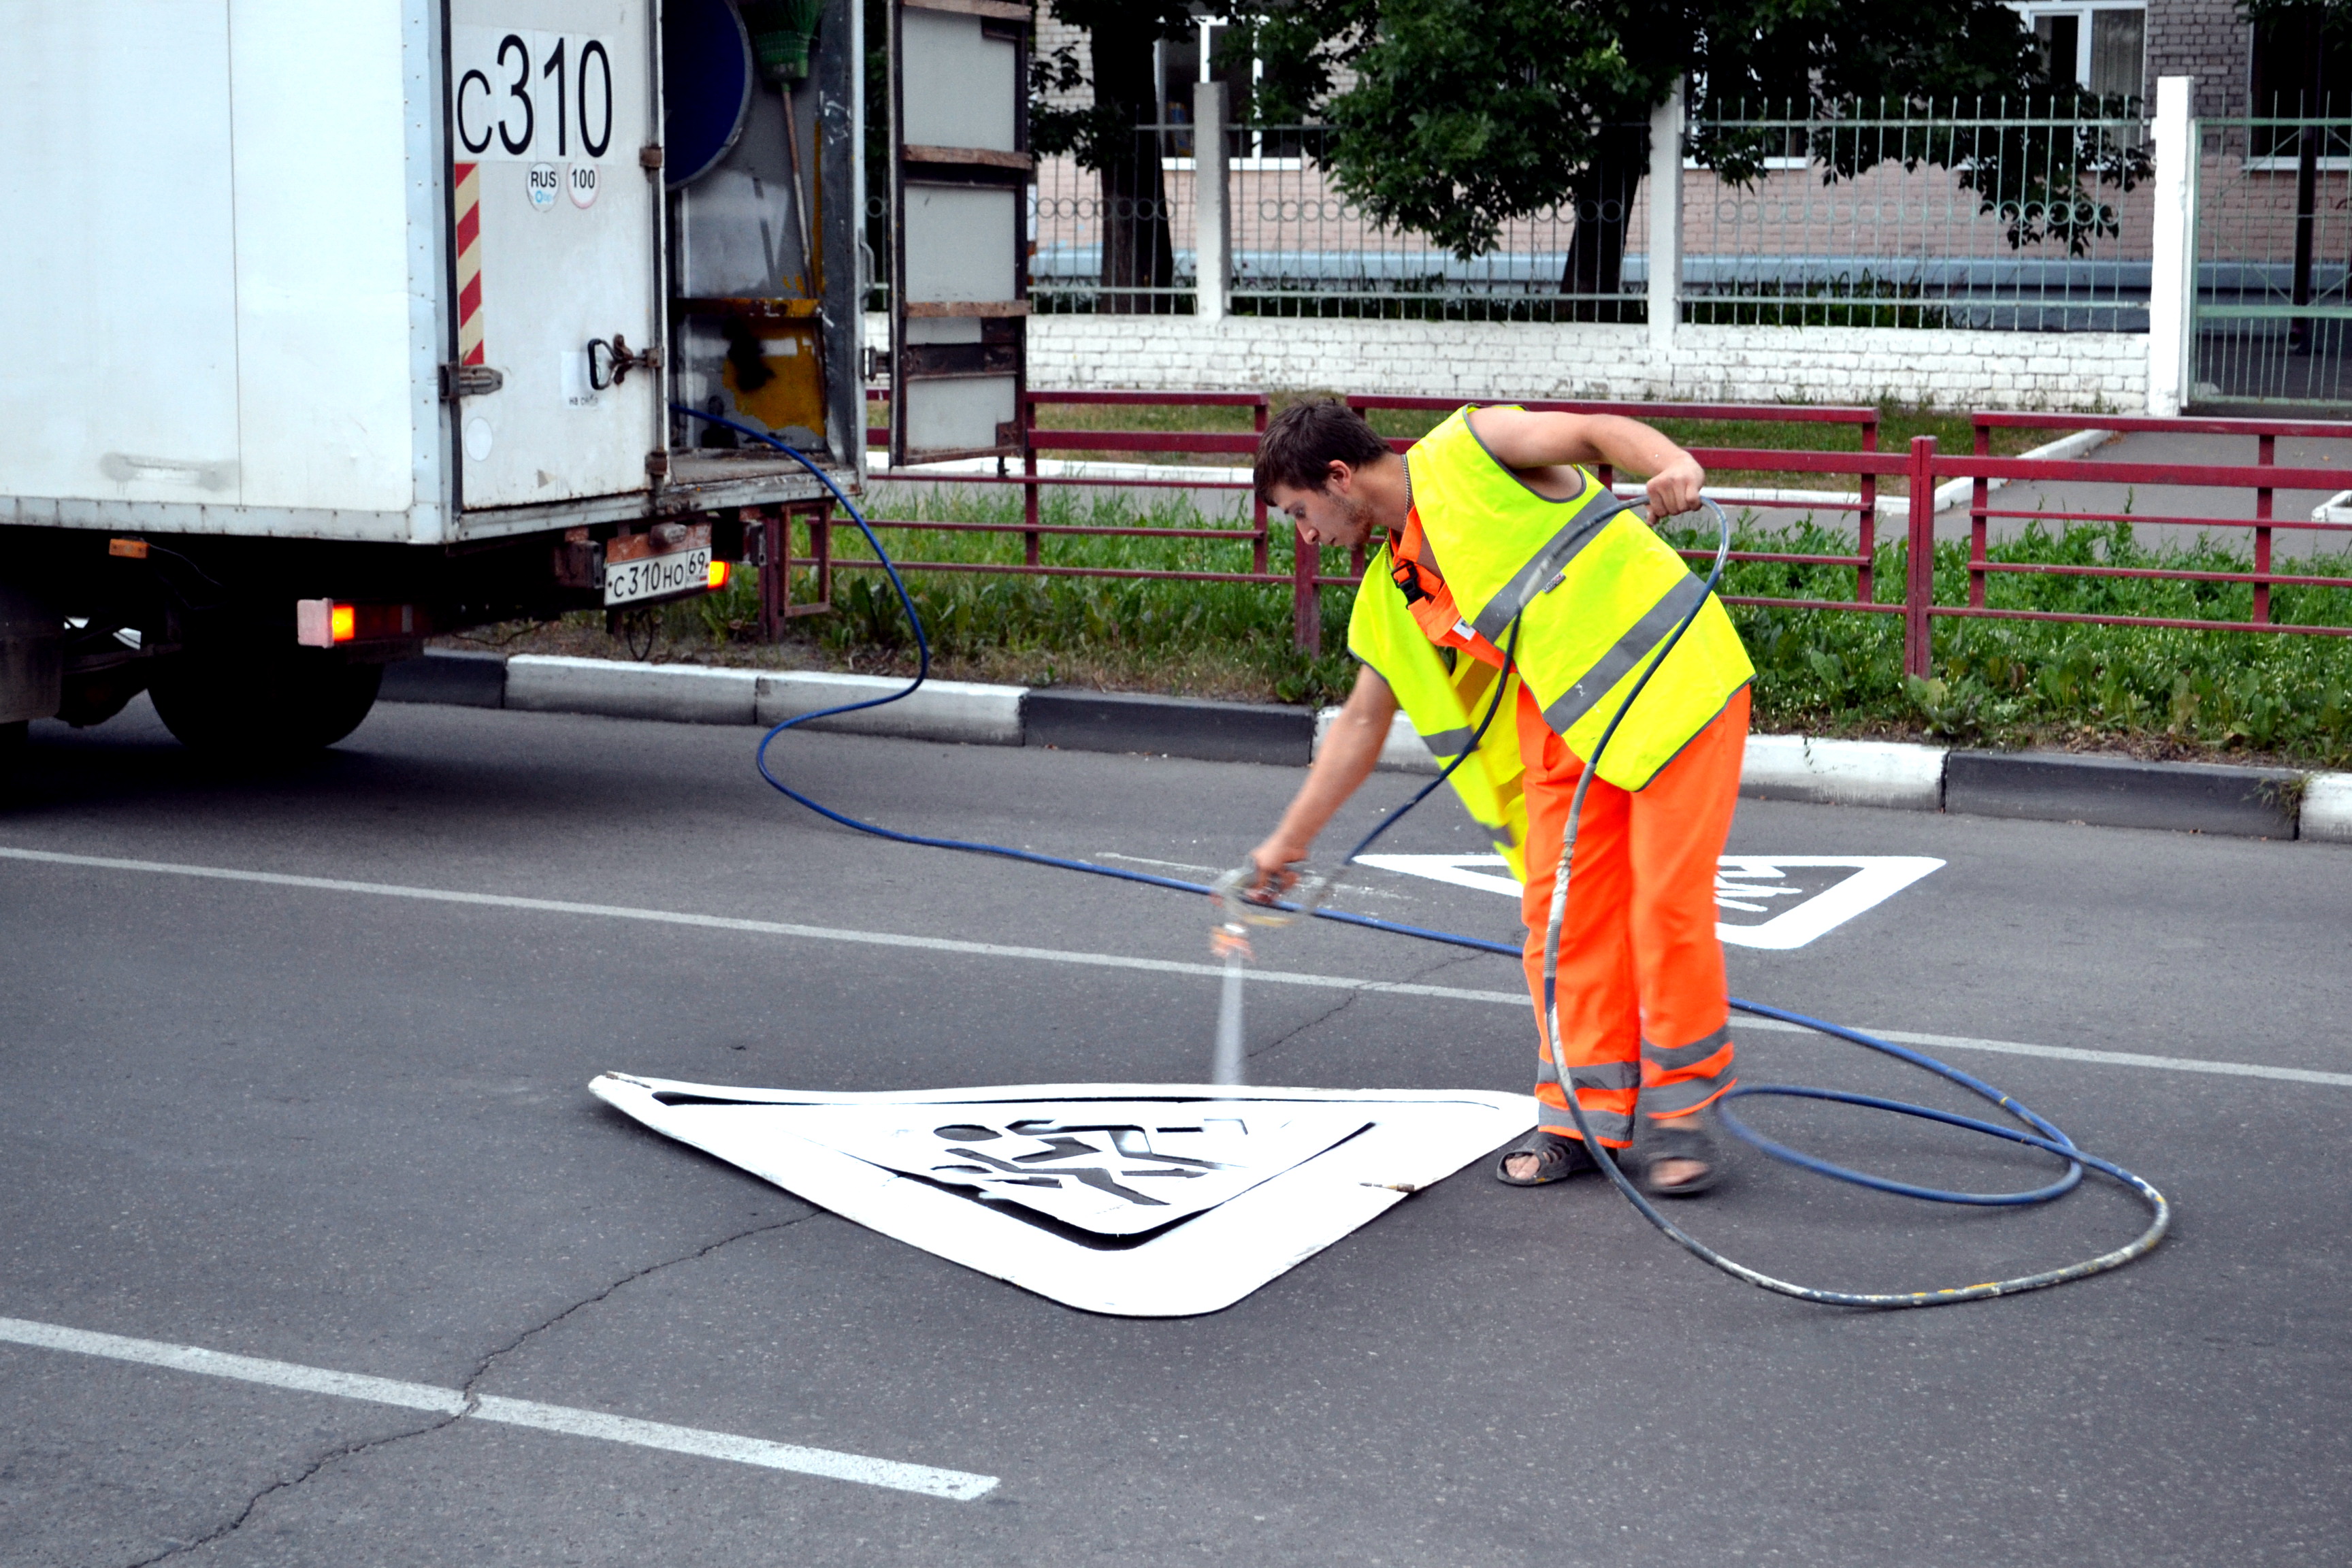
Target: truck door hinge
(649, 156)
(469, 381)
(656, 465)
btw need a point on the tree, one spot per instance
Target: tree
(1464, 114)
(1137, 252)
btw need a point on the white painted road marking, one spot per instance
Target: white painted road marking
(959, 1486)
(1870, 881)
(1115, 961)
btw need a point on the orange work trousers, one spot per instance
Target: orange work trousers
(1643, 1016)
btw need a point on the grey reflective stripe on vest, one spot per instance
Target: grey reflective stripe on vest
(1604, 1123)
(1598, 1075)
(1449, 743)
(1668, 1100)
(1545, 565)
(1607, 1075)
(1632, 648)
(1669, 1058)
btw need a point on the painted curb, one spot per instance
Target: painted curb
(1174, 726)
(960, 710)
(2199, 798)
(2327, 809)
(1403, 753)
(1844, 773)
(680, 693)
(2117, 792)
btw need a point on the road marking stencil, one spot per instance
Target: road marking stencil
(1112, 961)
(1138, 1200)
(958, 1486)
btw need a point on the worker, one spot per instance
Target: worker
(1511, 577)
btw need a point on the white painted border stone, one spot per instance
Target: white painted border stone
(1403, 753)
(1844, 773)
(679, 693)
(2327, 809)
(964, 711)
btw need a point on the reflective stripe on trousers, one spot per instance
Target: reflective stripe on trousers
(1639, 958)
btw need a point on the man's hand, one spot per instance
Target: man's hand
(1348, 750)
(1272, 861)
(1673, 489)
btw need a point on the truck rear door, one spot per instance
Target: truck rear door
(555, 239)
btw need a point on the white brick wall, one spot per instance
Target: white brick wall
(2065, 370)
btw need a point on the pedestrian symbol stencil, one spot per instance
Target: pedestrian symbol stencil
(1116, 1168)
(1797, 897)
(1141, 1200)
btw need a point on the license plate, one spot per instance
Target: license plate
(658, 577)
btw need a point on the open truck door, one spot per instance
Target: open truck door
(555, 246)
(960, 176)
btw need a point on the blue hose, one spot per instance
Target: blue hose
(2044, 1135)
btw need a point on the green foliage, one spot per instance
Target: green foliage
(1464, 114)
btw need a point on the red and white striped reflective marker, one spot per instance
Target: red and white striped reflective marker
(469, 263)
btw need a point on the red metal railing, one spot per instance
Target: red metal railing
(1917, 471)
(2264, 477)
(1307, 574)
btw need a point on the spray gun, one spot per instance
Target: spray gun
(1237, 911)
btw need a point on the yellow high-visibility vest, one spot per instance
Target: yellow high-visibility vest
(1446, 707)
(1594, 591)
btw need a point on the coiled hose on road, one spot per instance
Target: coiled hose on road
(2042, 1134)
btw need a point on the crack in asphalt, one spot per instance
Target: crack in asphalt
(1348, 1000)
(482, 1368)
(335, 1456)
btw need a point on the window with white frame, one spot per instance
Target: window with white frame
(1184, 61)
(2102, 45)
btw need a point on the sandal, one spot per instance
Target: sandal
(1558, 1157)
(1657, 1141)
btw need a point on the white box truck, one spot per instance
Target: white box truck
(333, 327)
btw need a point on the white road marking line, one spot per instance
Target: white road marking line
(959, 1486)
(762, 927)
(2069, 1053)
(1117, 961)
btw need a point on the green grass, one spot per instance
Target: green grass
(2156, 691)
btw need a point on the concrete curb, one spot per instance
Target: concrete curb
(1844, 773)
(2193, 797)
(2326, 813)
(2117, 792)
(961, 710)
(1173, 726)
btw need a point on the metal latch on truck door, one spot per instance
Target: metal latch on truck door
(609, 365)
(469, 381)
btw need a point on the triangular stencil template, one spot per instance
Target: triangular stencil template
(1828, 889)
(1142, 1200)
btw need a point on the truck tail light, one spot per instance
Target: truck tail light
(721, 571)
(323, 623)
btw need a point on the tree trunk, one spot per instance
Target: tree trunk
(1602, 194)
(1137, 252)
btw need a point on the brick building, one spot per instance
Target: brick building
(2114, 46)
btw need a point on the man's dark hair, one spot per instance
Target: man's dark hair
(1306, 438)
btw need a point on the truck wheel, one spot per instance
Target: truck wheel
(263, 704)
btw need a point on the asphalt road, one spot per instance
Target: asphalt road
(350, 1131)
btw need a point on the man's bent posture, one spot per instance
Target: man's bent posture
(1506, 562)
